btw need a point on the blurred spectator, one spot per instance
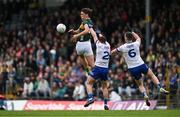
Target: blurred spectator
(59, 90)
(62, 90)
(79, 91)
(10, 81)
(28, 88)
(3, 105)
(173, 78)
(43, 89)
(55, 90)
(114, 96)
(69, 93)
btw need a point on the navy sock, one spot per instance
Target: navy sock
(159, 86)
(105, 101)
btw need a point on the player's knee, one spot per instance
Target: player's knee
(91, 64)
(89, 81)
(104, 85)
(104, 88)
(141, 86)
(86, 83)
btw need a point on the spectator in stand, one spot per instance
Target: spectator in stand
(79, 91)
(54, 90)
(3, 105)
(28, 88)
(62, 90)
(59, 90)
(173, 78)
(114, 96)
(43, 89)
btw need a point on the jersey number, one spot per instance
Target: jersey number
(106, 55)
(132, 53)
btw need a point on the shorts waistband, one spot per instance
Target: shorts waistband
(83, 40)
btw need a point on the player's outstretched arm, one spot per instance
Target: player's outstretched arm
(114, 51)
(86, 30)
(93, 33)
(136, 36)
(73, 31)
(117, 50)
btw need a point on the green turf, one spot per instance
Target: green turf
(153, 113)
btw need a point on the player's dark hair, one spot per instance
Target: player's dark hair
(101, 38)
(87, 11)
(129, 36)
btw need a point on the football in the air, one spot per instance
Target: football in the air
(61, 28)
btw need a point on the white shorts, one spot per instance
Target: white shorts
(84, 48)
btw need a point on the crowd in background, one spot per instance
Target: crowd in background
(38, 62)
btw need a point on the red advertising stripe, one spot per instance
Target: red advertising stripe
(62, 105)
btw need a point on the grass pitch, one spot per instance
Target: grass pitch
(82, 113)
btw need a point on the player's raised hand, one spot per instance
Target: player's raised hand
(71, 31)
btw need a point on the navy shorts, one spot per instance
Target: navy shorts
(137, 71)
(99, 73)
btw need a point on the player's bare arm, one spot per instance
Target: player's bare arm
(93, 33)
(136, 36)
(86, 30)
(114, 51)
(73, 31)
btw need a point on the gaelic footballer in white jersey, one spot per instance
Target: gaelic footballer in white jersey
(102, 54)
(131, 54)
(100, 70)
(136, 66)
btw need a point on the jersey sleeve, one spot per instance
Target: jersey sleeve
(90, 24)
(81, 26)
(137, 43)
(96, 41)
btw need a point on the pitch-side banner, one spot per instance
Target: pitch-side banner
(76, 105)
(133, 105)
